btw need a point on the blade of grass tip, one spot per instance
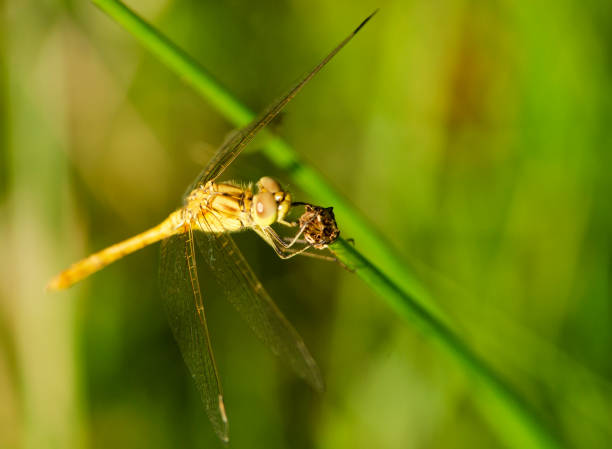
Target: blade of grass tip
(276, 150)
(520, 425)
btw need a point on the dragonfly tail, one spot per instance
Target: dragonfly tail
(101, 259)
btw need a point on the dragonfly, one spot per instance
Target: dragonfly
(211, 212)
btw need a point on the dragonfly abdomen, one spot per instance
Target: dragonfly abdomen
(99, 260)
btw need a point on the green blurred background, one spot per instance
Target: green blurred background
(475, 136)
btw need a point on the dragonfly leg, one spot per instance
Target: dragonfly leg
(288, 253)
(282, 249)
(283, 242)
(300, 241)
(285, 250)
(291, 224)
(320, 256)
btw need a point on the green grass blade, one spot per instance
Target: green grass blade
(505, 409)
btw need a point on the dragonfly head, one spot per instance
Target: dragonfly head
(271, 203)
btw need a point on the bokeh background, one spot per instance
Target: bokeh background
(475, 136)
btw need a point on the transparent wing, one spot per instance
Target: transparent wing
(183, 302)
(248, 296)
(236, 143)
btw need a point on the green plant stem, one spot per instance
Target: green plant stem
(389, 278)
(494, 393)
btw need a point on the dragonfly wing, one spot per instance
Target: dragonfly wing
(183, 302)
(248, 296)
(230, 149)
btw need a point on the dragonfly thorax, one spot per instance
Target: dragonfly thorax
(229, 207)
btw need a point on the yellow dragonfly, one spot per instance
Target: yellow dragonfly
(211, 211)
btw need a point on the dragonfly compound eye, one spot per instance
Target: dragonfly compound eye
(264, 209)
(267, 184)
